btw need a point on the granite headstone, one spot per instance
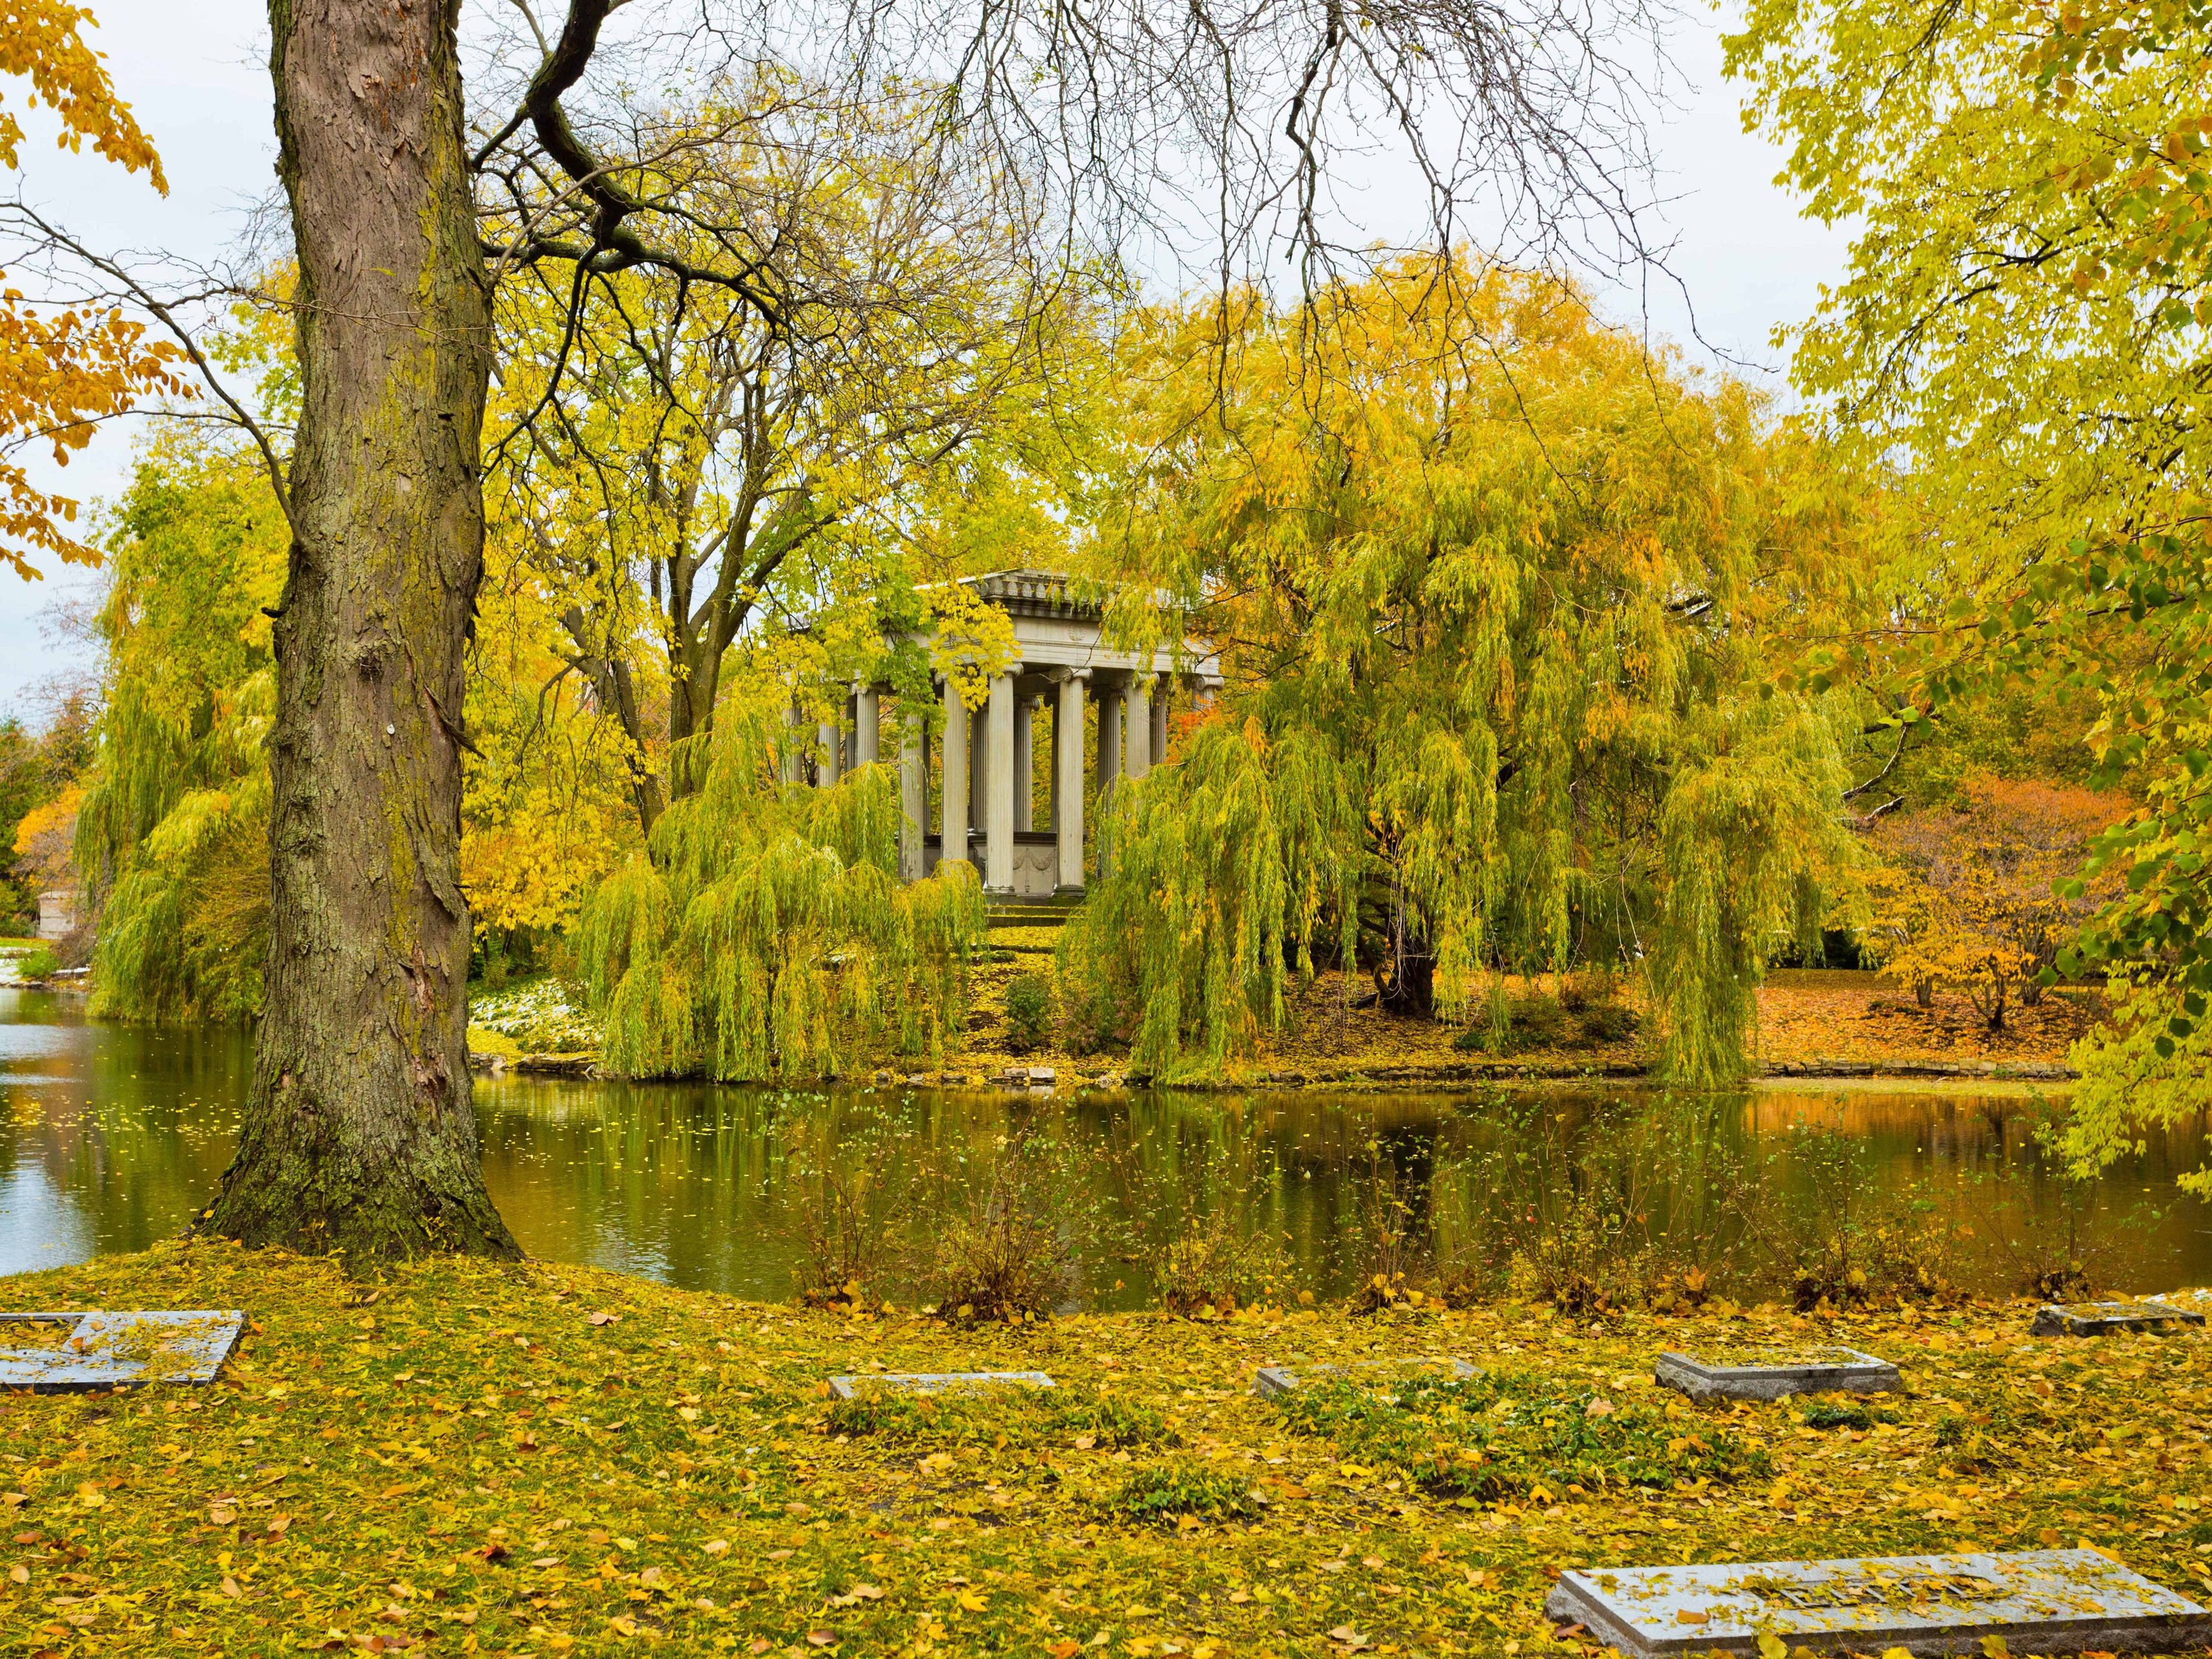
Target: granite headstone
(1773, 1373)
(1270, 1381)
(2042, 1601)
(2103, 1318)
(941, 1381)
(2197, 1301)
(56, 1353)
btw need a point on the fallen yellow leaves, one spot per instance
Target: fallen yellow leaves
(985, 1520)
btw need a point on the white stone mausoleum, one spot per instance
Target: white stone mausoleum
(987, 774)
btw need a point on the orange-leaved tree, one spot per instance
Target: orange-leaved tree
(1967, 895)
(62, 371)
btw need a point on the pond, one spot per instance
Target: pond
(112, 1134)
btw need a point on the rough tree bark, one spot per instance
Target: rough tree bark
(358, 1134)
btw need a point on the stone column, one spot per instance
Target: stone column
(999, 781)
(826, 760)
(867, 727)
(1161, 690)
(914, 791)
(1109, 742)
(1067, 781)
(979, 765)
(1024, 765)
(1139, 755)
(789, 763)
(952, 824)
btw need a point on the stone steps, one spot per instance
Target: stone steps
(1036, 913)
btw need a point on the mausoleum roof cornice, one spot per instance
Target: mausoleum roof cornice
(1036, 593)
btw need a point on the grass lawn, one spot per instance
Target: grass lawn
(542, 1460)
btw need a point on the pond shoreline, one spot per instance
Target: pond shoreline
(1448, 1078)
(117, 1133)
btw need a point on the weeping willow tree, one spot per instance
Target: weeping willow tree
(1493, 585)
(173, 835)
(765, 934)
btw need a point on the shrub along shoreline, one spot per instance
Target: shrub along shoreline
(466, 1458)
(1814, 1025)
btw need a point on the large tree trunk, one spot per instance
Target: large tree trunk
(358, 1134)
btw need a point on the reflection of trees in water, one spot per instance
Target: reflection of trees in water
(689, 1183)
(130, 1125)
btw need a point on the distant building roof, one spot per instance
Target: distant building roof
(1037, 593)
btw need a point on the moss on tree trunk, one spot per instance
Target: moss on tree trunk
(358, 1133)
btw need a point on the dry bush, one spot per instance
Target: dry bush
(848, 1198)
(1389, 1235)
(1832, 1232)
(1211, 1267)
(1009, 1229)
(1183, 1191)
(1630, 1209)
(2059, 1252)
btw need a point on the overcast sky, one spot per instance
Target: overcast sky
(194, 74)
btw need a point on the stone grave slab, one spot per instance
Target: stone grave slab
(2103, 1318)
(943, 1381)
(104, 1350)
(1773, 1373)
(1269, 1380)
(2197, 1301)
(2040, 1602)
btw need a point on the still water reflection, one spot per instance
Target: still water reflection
(111, 1134)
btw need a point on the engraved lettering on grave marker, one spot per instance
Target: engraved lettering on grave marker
(1860, 1590)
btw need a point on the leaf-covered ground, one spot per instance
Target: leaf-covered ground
(539, 1460)
(1807, 1019)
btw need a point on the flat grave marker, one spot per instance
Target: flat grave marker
(2194, 1301)
(110, 1350)
(1270, 1381)
(943, 1381)
(2042, 1601)
(1773, 1373)
(2103, 1318)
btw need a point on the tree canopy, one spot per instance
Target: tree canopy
(1494, 586)
(666, 386)
(2023, 336)
(64, 369)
